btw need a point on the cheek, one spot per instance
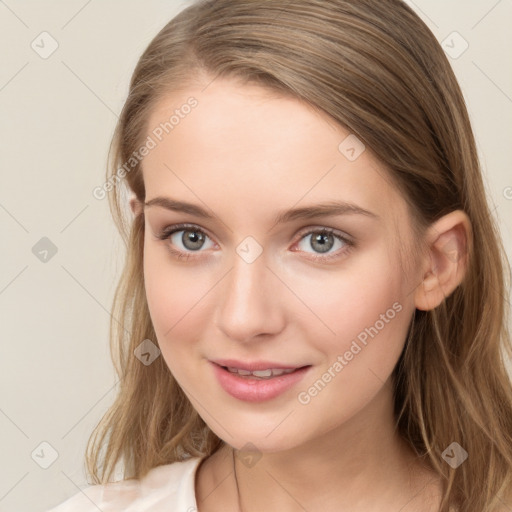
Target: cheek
(365, 313)
(345, 303)
(175, 297)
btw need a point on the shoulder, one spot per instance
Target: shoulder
(171, 483)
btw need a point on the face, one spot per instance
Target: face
(321, 288)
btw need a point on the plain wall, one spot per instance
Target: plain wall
(57, 116)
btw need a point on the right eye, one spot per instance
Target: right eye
(188, 239)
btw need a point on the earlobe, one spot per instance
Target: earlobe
(449, 241)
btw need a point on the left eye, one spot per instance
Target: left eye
(322, 241)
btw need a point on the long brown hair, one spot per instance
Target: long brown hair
(378, 71)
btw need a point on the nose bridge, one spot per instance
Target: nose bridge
(247, 285)
(248, 306)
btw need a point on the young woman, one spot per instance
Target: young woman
(312, 314)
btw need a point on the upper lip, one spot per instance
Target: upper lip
(254, 365)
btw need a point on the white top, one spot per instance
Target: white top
(168, 488)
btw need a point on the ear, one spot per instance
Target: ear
(135, 206)
(449, 242)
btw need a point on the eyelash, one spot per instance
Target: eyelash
(166, 233)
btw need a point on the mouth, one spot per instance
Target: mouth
(266, 374)
(257, 385)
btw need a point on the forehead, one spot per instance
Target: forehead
(246, 149)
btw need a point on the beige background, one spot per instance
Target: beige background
(56, 118)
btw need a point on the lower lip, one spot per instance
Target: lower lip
(256, 390)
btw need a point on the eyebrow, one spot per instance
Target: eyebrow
(330, 208)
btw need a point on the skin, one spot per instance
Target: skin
(245, 154)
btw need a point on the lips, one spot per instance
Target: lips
(252, 388)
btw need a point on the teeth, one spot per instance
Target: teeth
(240, 371)
(268, 373)
(262, 373)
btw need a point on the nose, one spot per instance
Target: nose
(251, 301)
